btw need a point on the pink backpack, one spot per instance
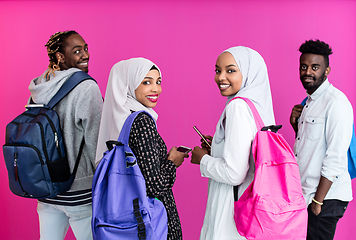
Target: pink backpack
(273, 206)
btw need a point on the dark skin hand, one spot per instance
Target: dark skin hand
(296, 111)
(198, 153)
(176, 157)
(323, 188)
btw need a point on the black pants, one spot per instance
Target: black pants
(323, 226)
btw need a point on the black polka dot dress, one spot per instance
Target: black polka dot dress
(159, 173)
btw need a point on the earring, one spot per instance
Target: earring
(56, 67)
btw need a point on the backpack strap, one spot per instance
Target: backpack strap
(304, 101)
(126, 128)
(68, 86)
(140, 224)
(124, 139)
(256, 115)
(259, 125)
(78, 158)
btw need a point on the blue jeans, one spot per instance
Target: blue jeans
(55, 221)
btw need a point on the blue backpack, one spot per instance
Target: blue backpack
(34, 150)
(121, 208)
(351, 152)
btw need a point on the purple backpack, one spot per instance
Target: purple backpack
(273, 206)
(121, 208)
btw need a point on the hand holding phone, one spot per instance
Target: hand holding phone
(175, 155)
(184, 149)
(202, 137)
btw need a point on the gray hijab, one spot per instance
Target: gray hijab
(255, 84)
(120, 99)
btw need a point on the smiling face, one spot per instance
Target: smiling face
(75, 54)
(312, 71)
(228, 75)
(149, 89)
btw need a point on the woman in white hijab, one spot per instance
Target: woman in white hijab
(134, 85)
(240, 72)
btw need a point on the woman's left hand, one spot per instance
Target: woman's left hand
(176, 157)
(197, 154)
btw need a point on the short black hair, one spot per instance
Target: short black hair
(317, 47)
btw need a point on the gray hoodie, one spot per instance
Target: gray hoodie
(79, 113)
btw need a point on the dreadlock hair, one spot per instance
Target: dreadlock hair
(56, 43)
(317, 47)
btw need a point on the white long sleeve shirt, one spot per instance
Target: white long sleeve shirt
(231, 163)
(324, 136)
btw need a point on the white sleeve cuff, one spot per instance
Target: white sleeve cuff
(203, 165)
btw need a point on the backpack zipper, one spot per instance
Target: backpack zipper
(16, 173)
(53, 130)
(106, 225)
(43, 141)
(55, 134)
(17, 179)
(26, 145)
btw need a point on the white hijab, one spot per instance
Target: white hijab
(255, 83)
(125, 77)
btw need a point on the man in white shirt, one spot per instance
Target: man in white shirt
(323, 130)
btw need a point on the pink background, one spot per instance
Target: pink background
(184, 39)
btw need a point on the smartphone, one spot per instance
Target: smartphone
(184, 149)
(201, 135)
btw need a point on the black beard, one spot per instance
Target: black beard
(317, 82)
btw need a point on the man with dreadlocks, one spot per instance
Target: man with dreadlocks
(323, 130)
(79, 113)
